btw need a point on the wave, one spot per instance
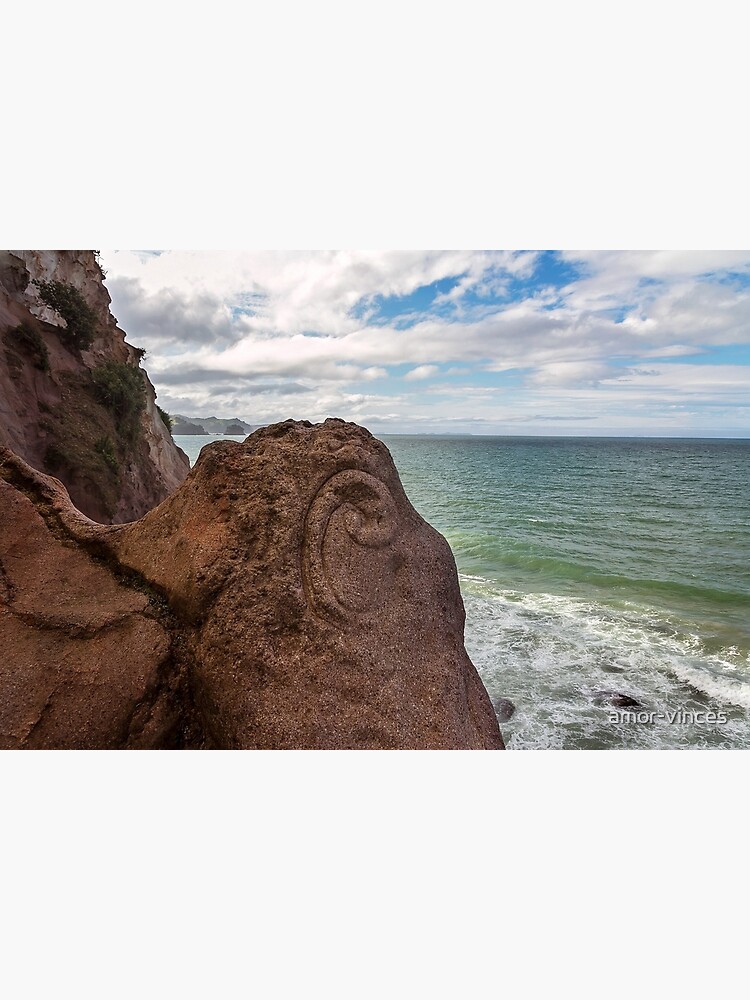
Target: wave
(724, 688)
(529, 564)
(554, 655)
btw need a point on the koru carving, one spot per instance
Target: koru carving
(353, 509)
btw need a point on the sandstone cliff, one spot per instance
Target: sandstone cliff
(285, 596)
(74, 401)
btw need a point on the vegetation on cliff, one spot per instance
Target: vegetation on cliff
(166, 418)
(94, 431)
(106, 449)
(121, 388)
(27, 340)
(80, 318)
(81, 435)
(76, 402)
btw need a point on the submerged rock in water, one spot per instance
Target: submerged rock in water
(504, 708)
(312, 606)
(616, 699)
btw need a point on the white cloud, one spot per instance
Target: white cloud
(268, 335)
(573, 373)
(421, 372)
(293, 292)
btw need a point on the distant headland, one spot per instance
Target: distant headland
(182, 424)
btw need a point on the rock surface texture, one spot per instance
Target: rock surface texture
(86, 662)
(290, 597)
(50, 413)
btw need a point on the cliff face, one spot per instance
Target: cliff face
(74, 401)
(286, 596)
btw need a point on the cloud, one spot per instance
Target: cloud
(289, 292)
(535, 337)
(421, 372)
(572, 373)
(165, 316)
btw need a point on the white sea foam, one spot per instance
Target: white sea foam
(722, 687)
(554, 655)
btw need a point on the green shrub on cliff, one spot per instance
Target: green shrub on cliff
(121, 388)
(85, 445)
(28, 339)
(106, 449)
(80, 318)
(166, 418)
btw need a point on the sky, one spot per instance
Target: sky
(652, 343)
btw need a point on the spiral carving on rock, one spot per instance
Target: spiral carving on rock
(351, 517)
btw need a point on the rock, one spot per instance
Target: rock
(504, 708)
(86, 661)
(616, 699)
(313, 607)
(325, 613)
(50, 413)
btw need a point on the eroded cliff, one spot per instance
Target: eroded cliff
(74, 401)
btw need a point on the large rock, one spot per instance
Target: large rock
(85, 661)
(314, 608)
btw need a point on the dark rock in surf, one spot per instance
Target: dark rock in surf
(616, 699)
(504, 708)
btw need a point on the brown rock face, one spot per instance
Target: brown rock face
(85, 661)
(313, 607)
(49, 411)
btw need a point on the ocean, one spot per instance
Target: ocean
(596, 570)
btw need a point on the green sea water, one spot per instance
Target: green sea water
(597, 565)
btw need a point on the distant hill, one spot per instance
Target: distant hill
(181, 425)
(211, 425)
